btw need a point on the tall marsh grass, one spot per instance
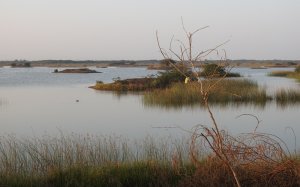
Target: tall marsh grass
(229, 90)
(288, 74)
(37, 155)
(90, 160)
(85, 160)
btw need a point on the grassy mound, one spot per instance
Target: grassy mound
(137, 84)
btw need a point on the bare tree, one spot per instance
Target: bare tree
(232, 151)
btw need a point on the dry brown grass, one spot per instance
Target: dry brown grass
(214, 172)
(258, 159)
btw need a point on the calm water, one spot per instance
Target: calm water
(35, 101)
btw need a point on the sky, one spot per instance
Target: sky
(125, 30)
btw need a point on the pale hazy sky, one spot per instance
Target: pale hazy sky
(125, 29)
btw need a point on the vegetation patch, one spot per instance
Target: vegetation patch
(216, 70)
(80, 70)
(164, 79)
(230, 90)
(215, 173)
(111, 161)
(136, 84)
(289, 74)
(297, 69)
(20, 65)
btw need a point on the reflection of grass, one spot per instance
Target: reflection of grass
(238, 91)
(112, 161)
(3, 102)
(286, 97)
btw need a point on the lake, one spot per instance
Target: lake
(35, 102)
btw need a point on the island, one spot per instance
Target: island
(20, 65)
(80, 70)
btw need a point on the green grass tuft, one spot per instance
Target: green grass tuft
(226, 91)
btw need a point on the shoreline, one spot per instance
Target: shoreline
(151, 64)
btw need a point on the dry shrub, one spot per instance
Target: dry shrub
(213, 172)
(253, 159)
(257, 159)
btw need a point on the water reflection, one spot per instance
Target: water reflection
(34, 102)
(288, 105)
(223, 105)
(3, 102)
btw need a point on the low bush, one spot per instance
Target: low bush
(215, 70)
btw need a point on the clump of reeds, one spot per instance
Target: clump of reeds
(38, 155)
(279, 73)
(86, 160)
(113, 160)
(289, 74)
(229, 90)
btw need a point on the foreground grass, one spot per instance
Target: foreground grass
(211, 173)
(77, 160)
(110, 161)
(229, 90)
(132, 174)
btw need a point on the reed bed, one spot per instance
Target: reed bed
(85, 160)
(228, 91)
(288, 74)
(280, 73)
(37, 155)
(57, 161)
